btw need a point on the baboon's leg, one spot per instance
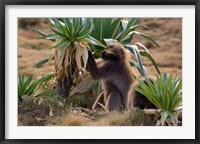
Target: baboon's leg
(130, 101)
(114, 102)
(100, 99)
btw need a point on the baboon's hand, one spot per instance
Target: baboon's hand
(89, 54)
(103, 54)
(90, 59)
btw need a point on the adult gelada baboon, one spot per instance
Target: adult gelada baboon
(113, 70)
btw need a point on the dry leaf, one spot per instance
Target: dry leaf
(79, 51)
(50, 111)
(83, 86)
(84, 57)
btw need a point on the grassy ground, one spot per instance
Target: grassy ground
(52, 110)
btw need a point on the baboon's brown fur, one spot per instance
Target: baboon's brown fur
(114, 71)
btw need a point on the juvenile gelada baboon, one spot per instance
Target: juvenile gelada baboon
(136, 99)
(114, 72)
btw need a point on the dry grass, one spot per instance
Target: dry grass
(135, 117)
(169, 36)
(69, 120)
(28, 57)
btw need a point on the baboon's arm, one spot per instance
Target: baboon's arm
(97, 70)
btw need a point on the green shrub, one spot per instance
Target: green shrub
(166, 94)
(28, 86)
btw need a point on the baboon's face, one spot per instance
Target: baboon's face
(114, 52)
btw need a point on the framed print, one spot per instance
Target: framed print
(99, 71)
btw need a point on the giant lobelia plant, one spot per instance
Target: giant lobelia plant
(71, 37)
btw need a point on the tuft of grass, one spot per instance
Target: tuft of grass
(135, 117)
(138, 117)
(69, 120)
(84, 100)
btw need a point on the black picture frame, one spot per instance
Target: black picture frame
(3, 4)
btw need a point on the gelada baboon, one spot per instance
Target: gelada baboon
(113, 70)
